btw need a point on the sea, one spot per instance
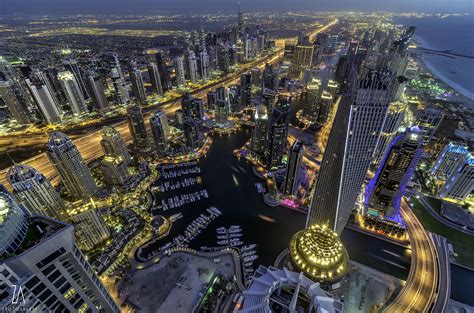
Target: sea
(454, 34)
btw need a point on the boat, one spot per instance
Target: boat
(234, 235)
(221, 229)
(248, 264)
(222, 232)
(248, 253)
(249, 247)
(233, 231)
(222, 237)
(249, 271)
(234, 226)
(222, 242)
(250, 258)
(234, 239)
(236, 243)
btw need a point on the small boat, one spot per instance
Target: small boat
(236, 243)
(249, 247)
(248, 253)
(233, 231)
(234, 235)
(234, 239)
(234, 227)
(222, 237)
(221, 229)
(250, 258)
(248, 264)
(222, 232)
(249, 271)
(222, 242)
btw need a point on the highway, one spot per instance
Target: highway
(89, 145)
(444, 287)
(420, 290)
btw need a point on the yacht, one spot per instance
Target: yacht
(250, 258)
(249, 247)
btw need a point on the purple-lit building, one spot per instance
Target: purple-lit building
(384, 192)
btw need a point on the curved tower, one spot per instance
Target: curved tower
(13, 224)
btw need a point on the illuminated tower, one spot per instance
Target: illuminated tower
(32, 190)
(45, 103)
(350, 148)
(70, 166)
(178, 64)
(312, 104)
(160, 131)
(113, 145)
(246, 89)
(192, 68)
(136, 125)
(259, 133)
(222, 112)
(138, 86)
(122, 95)
(204, 65)
(193, 108)
(72, 66)
(155, 78)
(384, 192)
(97, 93)
(89, 229)
(16, 103)
(73, 93)
(277, 134)
(192, 135)
(293, 169)
(51, 271)
(428, 121)
(395, 114)
(13, 225)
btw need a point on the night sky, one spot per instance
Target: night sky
(202, 6)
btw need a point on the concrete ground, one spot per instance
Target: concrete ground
(172, 285)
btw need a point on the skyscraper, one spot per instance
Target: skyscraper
(350, 148)
(395, 114)
(428, 120)
(211, 100)
(138, 86)
(97, 93)
(73, 93)
(52, 272)
(293, 168)
(137, 127)
(155, 78)
(122, 95)
(311, 100)
(193, 108)
(32, 190)
(204, 65)
(277, 134)
(160, 131)
(13, 225)
(259, 133)
(70, 166)
(453, 171)
(45, 103)
(163, 69)
(191, 67)
(73, 67)
(16, 103)
(113, 145)
(222, 112)
(384, 192)
(115, 170)
(89, 229)
(178, 65)
(192, 135)
(246, 89)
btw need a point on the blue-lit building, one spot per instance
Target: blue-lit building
(385, 191)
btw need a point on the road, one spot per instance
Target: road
(444, 288)
(89, 145)
(420, 290)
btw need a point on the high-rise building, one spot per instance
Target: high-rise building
(259, 133)
(122, 95)
(350, 148)
(51, 271)
(155, 78)
(311, 100)
(45, 103)
(163, 69)
(191, 67)
(16, 103)
(460, 183)
(52, 83)
(115, 170)
(240, 21)
(246, 89)
(136, 125)
(73, 92)
(204, 69)
(211, 100)
(447, 128)
(70, 166)
(96, 89)
(192, 135)
(33, 191)
(138, 87)
(113, 145)
(385, 190)
(13, 225)
(428, 120)
(277, 134)
(293, 169)
(395, 114)
(178, 64)
(223, 57)
(222, 112)
(453, 171)
(325, 104)
(72, 66)
(160, 131)
(89, 229)
(193, 108)
(303, 58)
(268, 99)
(269, 78)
